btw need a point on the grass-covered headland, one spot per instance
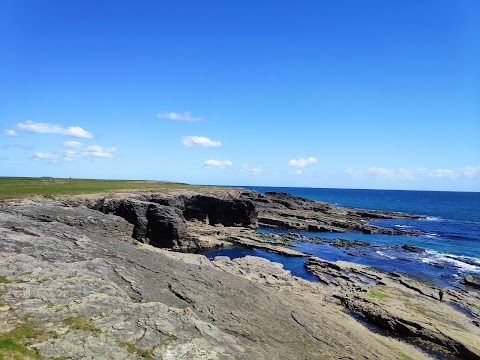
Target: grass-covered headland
(21, 187)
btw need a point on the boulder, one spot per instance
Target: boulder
(472, 280)
(165, 228)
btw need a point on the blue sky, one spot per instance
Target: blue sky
(350, 94)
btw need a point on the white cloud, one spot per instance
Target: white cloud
(469, 172)
(90, 152)
(303, 162)
(77, 132)
(251, 169)
(72, 144)
(39, 156)
(99, 151)
(186, 116)
(191, 141)
(9, 132)
(298, 172)
(71, 154)
(217, 163)
(80, 152)
(46, 128)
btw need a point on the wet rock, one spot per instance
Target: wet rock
(347, 244)
(411, 248)
(472, 280)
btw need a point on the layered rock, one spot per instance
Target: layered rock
(285, 211)
(446, 320)
(76, 285)
(160, 219)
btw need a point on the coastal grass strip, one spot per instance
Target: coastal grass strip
(20, 187)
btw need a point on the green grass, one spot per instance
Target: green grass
(425, 312)
(404, 356)
(13, 343)
(81, 323)
(132, 349)
(4, 280)
(376, 295)
(16, 187)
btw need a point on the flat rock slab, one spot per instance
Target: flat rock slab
(89, 290)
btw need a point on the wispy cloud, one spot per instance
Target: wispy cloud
(79, 152)
(217, 163)
(186, 116)
(10, 132)
(303, 162)
(47, 128)
(469, 172)
(42, 156)
(91, 152)
(99, 151)
(251, 169)
(191, 141)
(72, 144)
(9, 146)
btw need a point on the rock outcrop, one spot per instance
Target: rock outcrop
(471, 280)
(75, 284)
(405, 307)
(282, 210)
(160, 219)
(79, 278)
(154, 224)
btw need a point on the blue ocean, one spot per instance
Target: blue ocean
(451, 231)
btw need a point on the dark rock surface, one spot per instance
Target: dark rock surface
(160, 218)
(154, 224)
(472, 280)
(282, 210)
(411, 248)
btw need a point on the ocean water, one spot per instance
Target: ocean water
(451, 227)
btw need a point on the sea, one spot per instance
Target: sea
(450, 234)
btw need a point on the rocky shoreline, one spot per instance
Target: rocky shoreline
(95, 277)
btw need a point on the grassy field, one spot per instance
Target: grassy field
(16, 188)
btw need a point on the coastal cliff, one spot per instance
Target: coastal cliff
(95, 277)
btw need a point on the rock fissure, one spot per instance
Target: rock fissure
(78, 261)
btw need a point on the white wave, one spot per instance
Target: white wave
(383, 254)
(431, 235)
(403, 226)
(469, 264)
(432, 218)
(466, 259)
